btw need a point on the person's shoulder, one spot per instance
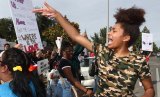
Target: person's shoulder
(64, 61)
(139, 58)
(4, 85)
(6, 91)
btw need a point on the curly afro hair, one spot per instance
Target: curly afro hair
(130, 20)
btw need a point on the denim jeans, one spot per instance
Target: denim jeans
(54, 90)
(66, 87)
(61, 89)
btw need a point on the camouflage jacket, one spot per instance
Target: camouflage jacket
(118, 76)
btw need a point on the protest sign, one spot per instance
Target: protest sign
(147, 42)
(42, 66)
(25, 25)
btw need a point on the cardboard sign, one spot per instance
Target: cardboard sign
(147, 42)
(25, 25)
(42, 66)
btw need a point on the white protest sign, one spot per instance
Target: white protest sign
(85, 52)
(59, 42)
(42, 66)
(147, 42)
(25, 25)
(44, 43)
(2, 42)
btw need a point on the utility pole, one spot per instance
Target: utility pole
(107, 28)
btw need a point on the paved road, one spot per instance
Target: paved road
(155, 71)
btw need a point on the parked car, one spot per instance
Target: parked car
(88, 81)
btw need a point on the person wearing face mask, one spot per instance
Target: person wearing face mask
(118, 68)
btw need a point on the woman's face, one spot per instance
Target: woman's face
(68, 52)
(116, 37)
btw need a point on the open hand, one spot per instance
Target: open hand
(47, 11)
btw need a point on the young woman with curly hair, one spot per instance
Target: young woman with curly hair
(118, 68)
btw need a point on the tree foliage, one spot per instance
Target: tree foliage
(7, 29)
(48, 28)
(43, 22)
(101, 38)
(51, 33)
(145, 30)
(155, 48)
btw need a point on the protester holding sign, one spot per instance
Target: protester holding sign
(19, 79)
(118, 68)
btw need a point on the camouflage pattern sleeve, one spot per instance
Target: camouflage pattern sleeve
(144, 71)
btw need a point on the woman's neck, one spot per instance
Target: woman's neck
(121, 52)
(7, 78)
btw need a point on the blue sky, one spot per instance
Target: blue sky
(91, 15)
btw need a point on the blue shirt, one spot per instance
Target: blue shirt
(5, 90)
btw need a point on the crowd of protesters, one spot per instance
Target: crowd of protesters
(118, 68)
(62, 80)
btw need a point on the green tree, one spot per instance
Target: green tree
(43, 22)
(101, 38)
(155, 48)
(138, 43)
(145, 30)
(7, 29)
(51, 33)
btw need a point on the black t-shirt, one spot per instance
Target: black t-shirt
(63, 64)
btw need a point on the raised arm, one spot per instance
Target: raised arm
(48, 11)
